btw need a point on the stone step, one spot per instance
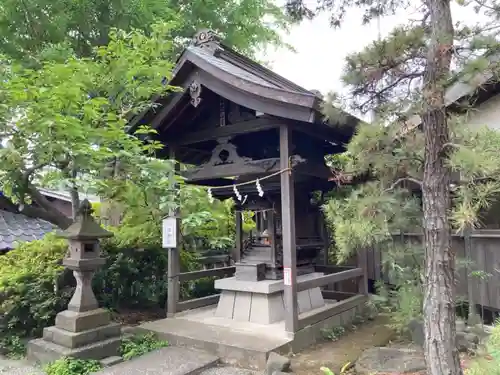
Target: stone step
(239, 348)
(229, 370)
(167, 361)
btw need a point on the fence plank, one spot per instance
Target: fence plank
(214, 272)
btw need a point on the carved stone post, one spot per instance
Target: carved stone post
(83, 330)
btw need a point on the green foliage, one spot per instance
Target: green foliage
(334, 333)
(327, 371)
(72, 115)
(13, 346)
(138, 345)
(41, 26)
(367, 217)
(72, 366)
(30, 294)
(489, 364)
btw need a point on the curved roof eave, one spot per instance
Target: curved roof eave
(260, 96)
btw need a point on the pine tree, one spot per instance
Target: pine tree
(415, 146)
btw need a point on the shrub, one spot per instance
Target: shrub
(138, 345)
(30, 296)
(71, 366)
(489, 364)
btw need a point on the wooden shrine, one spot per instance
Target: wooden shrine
(249, 134)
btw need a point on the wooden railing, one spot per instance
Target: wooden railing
(175, 305)
(345, 301)
(333, 274)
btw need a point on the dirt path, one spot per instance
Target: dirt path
(335, 354)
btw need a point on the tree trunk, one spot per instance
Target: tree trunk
(441, 354)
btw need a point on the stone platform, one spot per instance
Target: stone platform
(262, 301)
(246, 344)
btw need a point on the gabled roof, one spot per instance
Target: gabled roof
(16, 228)
(210, 63)
(482, 86)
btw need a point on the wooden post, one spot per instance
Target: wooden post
(239, 237)
(174, 259)
(288, 233)
(363, 280)
(271, 229)
(473, 317)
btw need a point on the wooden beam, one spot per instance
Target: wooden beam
(214, 272)
(332, 310)
(329, 279)
(331, 268)
(238, 249)
(288, 233)
(244, 127)
(174, 259)
(363, 264)
(334, 295)
(198, 302)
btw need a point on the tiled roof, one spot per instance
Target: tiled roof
(20, 228)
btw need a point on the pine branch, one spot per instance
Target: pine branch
(403, 179)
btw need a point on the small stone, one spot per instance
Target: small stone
(277, 363)
(386, 360)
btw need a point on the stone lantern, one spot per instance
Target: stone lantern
(83, 330)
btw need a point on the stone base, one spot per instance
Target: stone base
(86, 335)
(77, 339)
(42, 351)
(250, 271)
(262, 302)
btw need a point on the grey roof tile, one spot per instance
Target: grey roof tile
(230, 68)
(20, 228)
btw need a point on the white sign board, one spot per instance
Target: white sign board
(169, 233)
(287, 276)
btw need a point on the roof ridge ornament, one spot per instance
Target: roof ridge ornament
(206, 39)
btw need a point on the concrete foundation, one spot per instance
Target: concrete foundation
(262, 302)
(246, 344)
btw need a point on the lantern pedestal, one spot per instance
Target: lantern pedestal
(84, 330)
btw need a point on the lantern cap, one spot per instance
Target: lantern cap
(85, 227)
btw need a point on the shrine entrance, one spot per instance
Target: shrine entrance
(253, 136)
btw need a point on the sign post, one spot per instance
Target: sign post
(169, 233)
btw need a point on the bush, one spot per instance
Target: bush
(139, 345)
(489, 364)
(30, 296)
(71, 366)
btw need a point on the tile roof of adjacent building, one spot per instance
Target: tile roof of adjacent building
(15, 228)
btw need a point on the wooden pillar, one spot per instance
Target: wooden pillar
(174, 258)
(473, 317)
(271, 229)
(238, 248)
(363, 264)
(288, 233)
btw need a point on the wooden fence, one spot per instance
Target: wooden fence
(478, 280)
(332, 284)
